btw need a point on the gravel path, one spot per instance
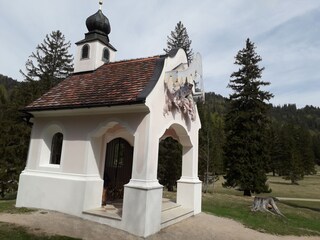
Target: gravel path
(200, 227)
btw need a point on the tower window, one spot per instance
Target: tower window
(85, 51)
(106, 55)
(56, 148)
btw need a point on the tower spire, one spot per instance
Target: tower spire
(100, 3)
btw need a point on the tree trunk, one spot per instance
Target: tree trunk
(265, 204)
(247, 192)
(208, 159)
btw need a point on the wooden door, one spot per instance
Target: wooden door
(118, 167)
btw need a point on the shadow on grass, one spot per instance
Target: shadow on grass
(282, 183)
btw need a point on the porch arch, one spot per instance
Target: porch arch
(189, 185)
(179, 133)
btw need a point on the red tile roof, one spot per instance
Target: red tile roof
(117, 83)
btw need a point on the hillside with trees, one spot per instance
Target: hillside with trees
(292, 132)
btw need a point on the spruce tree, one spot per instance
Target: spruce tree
(14, 140)
(205, 146)
(291, 164)
(246, 125)
(179, 38)
(170, 163)
(51, 62)
(3, 94)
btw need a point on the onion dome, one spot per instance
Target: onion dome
(98, 22)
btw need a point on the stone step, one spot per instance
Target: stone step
(174, 215)
(108, 211)
(167, 205)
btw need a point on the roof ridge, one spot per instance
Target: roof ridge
(135, 59)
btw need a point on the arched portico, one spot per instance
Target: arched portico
(189, 185)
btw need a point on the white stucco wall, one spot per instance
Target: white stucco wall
(95, 57)
(76, 184)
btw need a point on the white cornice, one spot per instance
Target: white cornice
(136, 108)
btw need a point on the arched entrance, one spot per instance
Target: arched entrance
(169, 163)
(118, 168)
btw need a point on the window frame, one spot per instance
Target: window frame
(88, 51)
(106, 60)
(56, 149)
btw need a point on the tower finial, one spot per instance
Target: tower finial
(100, 3)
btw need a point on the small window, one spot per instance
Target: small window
(85, 51)
(56, 148)
(106, 55)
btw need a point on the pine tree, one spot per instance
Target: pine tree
(3, 94)
(180, 39)
(51, 62)
(291, 164)
(205, 143)
(170, 163)
(246, 125)
(274, 148)
(14, 141)
(304, 143)
(316, 148)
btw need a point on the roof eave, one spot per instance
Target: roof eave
(132, 107)
(154, 79)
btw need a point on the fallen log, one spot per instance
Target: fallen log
(265, 204)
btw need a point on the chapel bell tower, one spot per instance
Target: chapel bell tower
(95, 49)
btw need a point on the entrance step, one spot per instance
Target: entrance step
(173, 213)
(167, 204)
(108, 211)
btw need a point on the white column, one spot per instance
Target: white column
(143, 194)
(189, 186)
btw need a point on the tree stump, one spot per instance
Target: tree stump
(265, 204)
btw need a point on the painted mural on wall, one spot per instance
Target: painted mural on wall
(183, 87)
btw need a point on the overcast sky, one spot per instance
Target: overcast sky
(285, 32)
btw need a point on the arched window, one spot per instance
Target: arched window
(85, 51)
(56, 147)
(106, 55)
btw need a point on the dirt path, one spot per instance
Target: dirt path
(200, 227)
(299, 199)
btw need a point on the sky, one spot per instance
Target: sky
(286, 34)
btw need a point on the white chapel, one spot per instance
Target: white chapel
(95, 137)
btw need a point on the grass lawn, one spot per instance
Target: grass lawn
(8, 206)
(302, 217)
(309, 187)
(298, 221)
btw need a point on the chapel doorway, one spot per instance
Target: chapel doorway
(118, 168)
